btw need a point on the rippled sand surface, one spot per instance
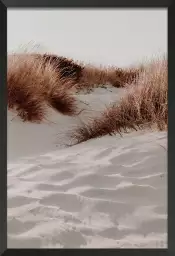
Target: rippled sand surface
(106, 192)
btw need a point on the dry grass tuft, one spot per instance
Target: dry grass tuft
(93, 77)
(88, 77)
(145, 104)
(33, 86)
(66, 68)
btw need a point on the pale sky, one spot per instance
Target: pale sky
(108, 37)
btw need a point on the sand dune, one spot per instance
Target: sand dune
(29, 138)
(106, 192)
(109, 192)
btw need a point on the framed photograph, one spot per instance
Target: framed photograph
(87, 137)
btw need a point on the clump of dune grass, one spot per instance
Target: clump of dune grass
(86, 77)
(66, 68)
(143, 105)
(33, 86)
(93, 77)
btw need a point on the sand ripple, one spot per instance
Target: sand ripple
(103, 193)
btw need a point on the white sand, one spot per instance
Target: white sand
(106, 192)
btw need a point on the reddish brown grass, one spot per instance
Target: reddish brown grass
(87, 77)
(93, 77)
(145, 104)
(66, 68)
(32, 86)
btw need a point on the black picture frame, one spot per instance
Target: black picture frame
(3, 117)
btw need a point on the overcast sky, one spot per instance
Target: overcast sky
(109, 37)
